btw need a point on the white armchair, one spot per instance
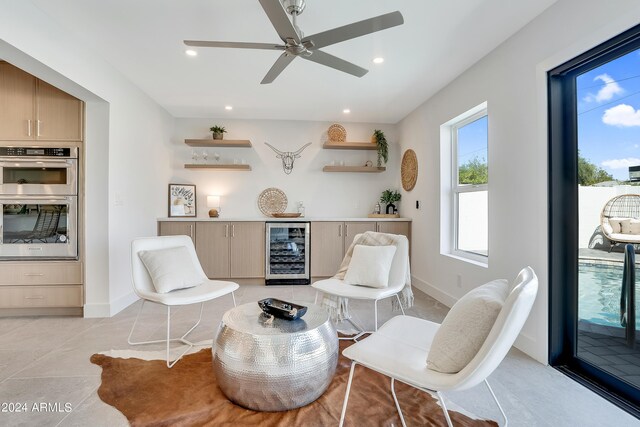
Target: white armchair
(397, 281)
(399, 349)
(144, 288)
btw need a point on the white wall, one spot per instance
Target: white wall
(512, 79)
(127, 138)
(324, 194)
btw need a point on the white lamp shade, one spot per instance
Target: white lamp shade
(213, 201)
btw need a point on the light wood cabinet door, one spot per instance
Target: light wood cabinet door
(177, 228)
(352, 228)
(59, 115)
(395, 227)
(327, 248)
(212, 247)
(40, 296)
(17, 103)
(247, 249)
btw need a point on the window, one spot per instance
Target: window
(465, 205)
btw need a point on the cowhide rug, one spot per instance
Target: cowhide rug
(150, 394)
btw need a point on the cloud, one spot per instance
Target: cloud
(621, 163)
(622, 115)
(607, 92)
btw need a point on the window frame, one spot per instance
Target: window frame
(456, 188)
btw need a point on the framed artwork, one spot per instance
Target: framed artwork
(182, 200)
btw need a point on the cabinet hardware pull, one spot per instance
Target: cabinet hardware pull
(346, 230)
(37, 127)
(233, 230)
(226, 230)
(191, 230)
(28, 127)
(36, 297)
(339, 230)
(34, 274)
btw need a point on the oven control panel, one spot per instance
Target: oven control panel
(37, 152)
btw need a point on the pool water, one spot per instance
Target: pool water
(599, 294)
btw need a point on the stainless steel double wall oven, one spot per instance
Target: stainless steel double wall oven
(39, 200)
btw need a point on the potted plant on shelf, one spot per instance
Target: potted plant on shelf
(389, 197)
(218, 131)
(383, 148)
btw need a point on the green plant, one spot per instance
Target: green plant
(383, 147)
(389, 196)
(217, 129)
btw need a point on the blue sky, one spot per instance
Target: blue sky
(609, 115)
(472, 141)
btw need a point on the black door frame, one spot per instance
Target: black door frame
(563, 227)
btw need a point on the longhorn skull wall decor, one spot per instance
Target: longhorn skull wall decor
(288, 157)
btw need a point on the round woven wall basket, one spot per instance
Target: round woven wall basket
(272, 200)
(409, 170)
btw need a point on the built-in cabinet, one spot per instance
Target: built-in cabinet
(35, 113)
(225, 249)
(41, 285)
(34, 110)
(331, 240)
(237, 249)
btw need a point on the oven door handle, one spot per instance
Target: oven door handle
(48, 164)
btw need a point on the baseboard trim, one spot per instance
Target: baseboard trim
(433, 292)
(123, 302)
(96, 310)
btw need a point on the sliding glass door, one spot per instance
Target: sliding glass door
(594, 178)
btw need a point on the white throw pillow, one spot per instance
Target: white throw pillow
(370, 266)
(466, 327)
(625, 226)
(171, 269)
(634, 226)
(616, 227)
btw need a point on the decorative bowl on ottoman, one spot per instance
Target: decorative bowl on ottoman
(266, 363)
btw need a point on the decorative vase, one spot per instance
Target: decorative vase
(217, 135)
(374, 140)
(391, 207)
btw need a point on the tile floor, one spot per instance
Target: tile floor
(46, 360)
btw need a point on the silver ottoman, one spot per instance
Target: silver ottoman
(270, 364)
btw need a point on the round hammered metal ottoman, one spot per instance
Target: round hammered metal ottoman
(269, 364)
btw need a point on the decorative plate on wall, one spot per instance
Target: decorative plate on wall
(337, 133)
(272, 200)
(409, 170)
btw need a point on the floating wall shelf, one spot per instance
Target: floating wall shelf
(349, 146)
(367, 169)
(219, 167)
(218, 143)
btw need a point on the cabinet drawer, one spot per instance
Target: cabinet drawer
(40, 296)
(54, 273)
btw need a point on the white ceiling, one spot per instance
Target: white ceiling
(143, 40)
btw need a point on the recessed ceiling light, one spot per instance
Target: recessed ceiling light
(378, 60)
(228, 107)
(191, 52)
(346, 111)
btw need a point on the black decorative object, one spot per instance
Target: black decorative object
(282, 309)
(391, 207)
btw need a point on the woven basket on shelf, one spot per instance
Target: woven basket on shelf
(272, 200)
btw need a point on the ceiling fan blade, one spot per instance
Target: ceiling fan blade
(324, 58)
(280, 64)
(354, 30)
(280, 20)
(242, 45)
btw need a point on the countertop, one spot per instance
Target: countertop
(267, 219)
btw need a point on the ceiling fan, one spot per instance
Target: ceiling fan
(296, 44)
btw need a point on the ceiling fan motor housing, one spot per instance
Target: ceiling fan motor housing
(294, 7)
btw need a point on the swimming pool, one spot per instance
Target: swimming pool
(599, 293)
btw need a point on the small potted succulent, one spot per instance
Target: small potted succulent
(389, 197)
(383, 148)
(218, 131)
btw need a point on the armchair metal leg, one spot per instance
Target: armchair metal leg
(504, 416)
(234, 299)
(168, 340)
(375, 315)
(346, 395)
(395, 399)
(444, 408)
